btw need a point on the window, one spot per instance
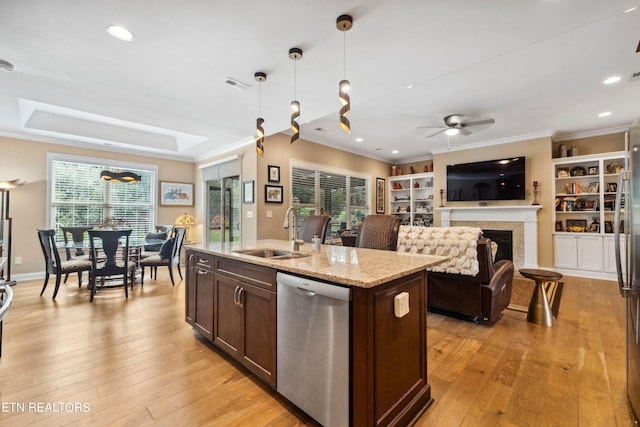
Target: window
(341, 194)
(77, 196)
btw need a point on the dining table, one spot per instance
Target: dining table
(136, 246)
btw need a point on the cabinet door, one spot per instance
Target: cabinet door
(589, 253)
(610, 253)
(228, 320)
(259, 349)
(203, 290)
(565, 251)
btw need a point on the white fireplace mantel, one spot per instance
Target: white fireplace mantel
(524, 214)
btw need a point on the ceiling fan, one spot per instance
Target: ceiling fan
(455, 123)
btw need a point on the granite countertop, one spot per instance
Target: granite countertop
(365, 268)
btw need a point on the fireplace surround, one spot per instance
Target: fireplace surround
(522, 220)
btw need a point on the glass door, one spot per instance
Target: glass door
(224, 209)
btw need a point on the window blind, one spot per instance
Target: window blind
(79, 197)
(343, 197)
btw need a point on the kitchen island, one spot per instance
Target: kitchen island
(231, 299)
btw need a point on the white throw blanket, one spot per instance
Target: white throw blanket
(460, 244)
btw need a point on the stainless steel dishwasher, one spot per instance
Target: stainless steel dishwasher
(313, 347)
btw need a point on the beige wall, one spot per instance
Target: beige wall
(28, 160)
(593, 144)
(279, 152)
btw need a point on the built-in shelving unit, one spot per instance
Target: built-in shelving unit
(585, 204)
(411, 197)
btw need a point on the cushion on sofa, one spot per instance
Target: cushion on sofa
(458, 243)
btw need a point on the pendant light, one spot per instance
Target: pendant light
(344, 24)
(295, 54)
(260, 77)
(126, 176)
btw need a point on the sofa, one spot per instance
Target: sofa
(469, 284)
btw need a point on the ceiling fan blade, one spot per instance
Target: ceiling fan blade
(638, 48)
(463, 131)
(437, 133)
(479, 123)
(430, 127)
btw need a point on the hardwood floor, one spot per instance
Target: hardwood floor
(136, 362)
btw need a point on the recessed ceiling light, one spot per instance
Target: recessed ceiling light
(359, 139)
(604, 114)
(120, 33)
(630, 9)
(409, 86)
(395, 152)
(612, 79)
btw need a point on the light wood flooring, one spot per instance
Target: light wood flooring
(136, 362)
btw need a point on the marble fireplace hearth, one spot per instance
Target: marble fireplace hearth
(521, 220)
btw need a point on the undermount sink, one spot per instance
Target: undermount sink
(271, 253)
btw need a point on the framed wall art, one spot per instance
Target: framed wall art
(273, 193)
(176, 193)
(248, 192)
(274, 173)
(380, 189)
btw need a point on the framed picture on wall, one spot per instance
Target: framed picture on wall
(380, 189)
(274, 173)
(273, 193)
(176, 193)
(247, 192)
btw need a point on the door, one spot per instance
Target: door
(224, 209)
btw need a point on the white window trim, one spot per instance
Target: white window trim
(51, 157)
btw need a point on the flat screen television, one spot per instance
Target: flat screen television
(501, 179)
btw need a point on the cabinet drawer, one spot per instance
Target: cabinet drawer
(200, 260)
(257, 275)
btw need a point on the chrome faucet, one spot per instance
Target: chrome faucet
(295, 242)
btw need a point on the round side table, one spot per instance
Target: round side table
(539, 311)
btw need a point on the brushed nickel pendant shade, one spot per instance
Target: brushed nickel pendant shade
(260, 77)
(344, 24)
(295, 54)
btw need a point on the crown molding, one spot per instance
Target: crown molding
(489, 143)
(590, 133)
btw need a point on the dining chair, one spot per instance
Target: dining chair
(77, 234)
(169, 255)
(379, 232)
(53, 263)
(114, 260)
(312, 225)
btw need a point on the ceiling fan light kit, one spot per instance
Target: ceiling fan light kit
(344, 24)
(454, 124)
(260, 77)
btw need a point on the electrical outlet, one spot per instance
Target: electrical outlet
(18, 260)
(249, 214)
(269, 214)
(401, 304)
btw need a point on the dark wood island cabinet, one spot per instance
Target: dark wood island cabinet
(388, 352)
